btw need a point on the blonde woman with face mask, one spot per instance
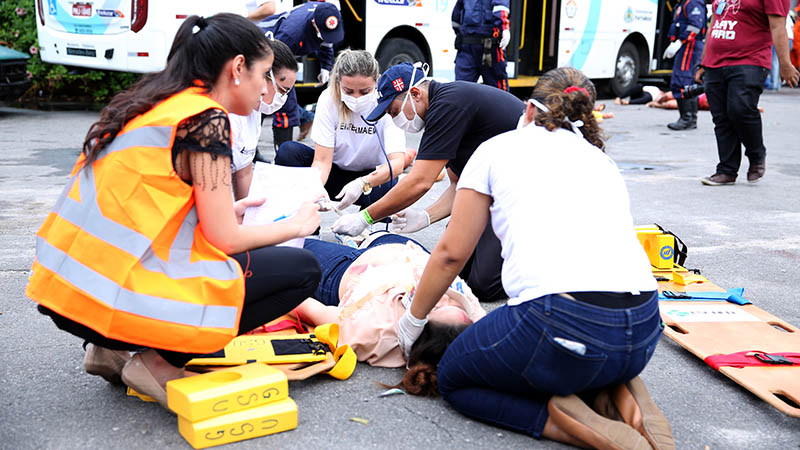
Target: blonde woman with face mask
(350, 153)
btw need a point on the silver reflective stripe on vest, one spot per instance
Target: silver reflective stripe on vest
(121, 299)
(139, 137)
(87, 215)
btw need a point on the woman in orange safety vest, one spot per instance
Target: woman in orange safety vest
(145, 247)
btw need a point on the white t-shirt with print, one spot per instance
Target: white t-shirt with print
(355, 143)
(562, 214)
(245, 131)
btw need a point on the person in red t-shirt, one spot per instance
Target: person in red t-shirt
(735, 64)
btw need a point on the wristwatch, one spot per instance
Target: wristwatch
(366, 188)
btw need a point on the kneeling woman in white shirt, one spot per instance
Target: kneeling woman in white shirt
(351, 154)
(583, 310)
(246, 130)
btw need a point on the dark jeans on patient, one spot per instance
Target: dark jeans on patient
(277, 279)
(733, 93)
(295, 154)
(503, 369)
(637, 95)
(336, 258)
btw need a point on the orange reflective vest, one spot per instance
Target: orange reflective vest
(122, 252)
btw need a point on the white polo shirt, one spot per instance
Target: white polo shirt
(562, 214)
(355, 143)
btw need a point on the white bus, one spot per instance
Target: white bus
(614, 40)
(610, 40)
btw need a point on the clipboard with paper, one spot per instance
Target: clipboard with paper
(285, 189)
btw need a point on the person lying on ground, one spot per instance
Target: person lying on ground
(366, 291)
(570, 327)
(639, 94)
(667, 101)
(145, 250)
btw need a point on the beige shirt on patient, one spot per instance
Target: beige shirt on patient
(371, 294)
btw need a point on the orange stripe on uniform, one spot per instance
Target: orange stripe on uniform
(685, 54)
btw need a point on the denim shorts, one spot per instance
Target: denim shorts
(334, 259)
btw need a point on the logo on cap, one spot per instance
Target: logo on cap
(331, 22)
(398, 84)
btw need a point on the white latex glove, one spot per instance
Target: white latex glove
(408, 330)
(410, 220)
(350, 224)
(505, 39)
(324, 76)
(350, 193)
(672, 49)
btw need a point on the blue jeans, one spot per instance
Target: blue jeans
(296, 154)
(334, 259)
(504, 368)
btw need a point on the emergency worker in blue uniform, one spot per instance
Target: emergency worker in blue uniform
(687, 33)
(482, 35)
(309, 29)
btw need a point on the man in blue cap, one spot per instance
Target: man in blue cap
(311, 28)
(456, 117)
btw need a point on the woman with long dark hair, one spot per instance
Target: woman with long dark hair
(247, 129)
(583, 311)
(145, 248)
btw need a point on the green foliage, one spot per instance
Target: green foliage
(53, 81)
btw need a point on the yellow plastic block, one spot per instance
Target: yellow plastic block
(660, 247)
(226, 391)
(251, 423)
(684, 278)
(142, 397)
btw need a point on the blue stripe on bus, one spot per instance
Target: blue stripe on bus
(587, 40)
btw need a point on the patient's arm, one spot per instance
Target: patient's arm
(316, 313)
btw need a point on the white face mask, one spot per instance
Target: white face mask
(576, 125)
(416, 124)
(277, 100)
(361, 105)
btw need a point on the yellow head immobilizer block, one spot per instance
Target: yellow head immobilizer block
(226, 391)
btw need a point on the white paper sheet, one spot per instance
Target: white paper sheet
(285, 189)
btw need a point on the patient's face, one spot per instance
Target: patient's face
(449, 311)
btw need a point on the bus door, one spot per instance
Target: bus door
(534, 39)
(666, 12)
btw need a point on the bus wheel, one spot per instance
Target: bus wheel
(398, 50)
(626, 73)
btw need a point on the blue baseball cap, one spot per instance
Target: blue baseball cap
(393, 82)
(329, 22)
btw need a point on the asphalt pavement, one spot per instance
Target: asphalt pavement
(742, 235)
